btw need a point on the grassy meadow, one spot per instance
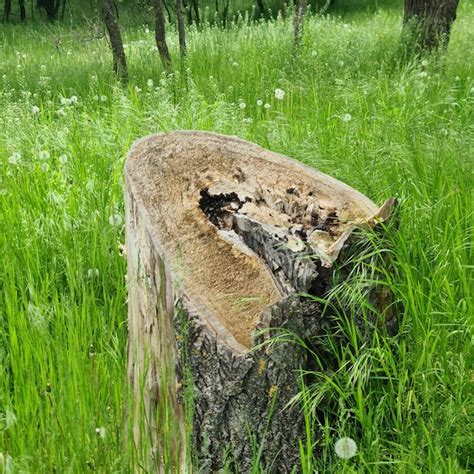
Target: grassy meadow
(350, 109)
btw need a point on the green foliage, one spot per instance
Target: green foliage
(349, 109)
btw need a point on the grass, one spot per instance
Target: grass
(350, 109)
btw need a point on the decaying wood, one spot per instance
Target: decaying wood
(222, 238)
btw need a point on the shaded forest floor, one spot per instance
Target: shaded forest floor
(349, 109)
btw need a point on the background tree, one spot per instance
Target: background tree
(160, 36)
(181, 29)
(109, 16)
(427, 23)
(7, 8)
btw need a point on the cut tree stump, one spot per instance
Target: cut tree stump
(222, 237)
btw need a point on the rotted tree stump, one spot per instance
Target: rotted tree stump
(223, 237)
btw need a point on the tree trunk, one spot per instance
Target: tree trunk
(428, 22)
(181, 29)
(118, 53)
(298, 25)
(22, 10)
(261, 8)
(195, 5)
(7, 8)
(222, 238)
(50, 8)
(160, 36)
(225, 12)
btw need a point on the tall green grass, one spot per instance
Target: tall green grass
(350, 109)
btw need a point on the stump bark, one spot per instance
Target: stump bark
(222, 238)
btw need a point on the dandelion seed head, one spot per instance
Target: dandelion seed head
(43, 155)
(279, 94)
(100, 432)
(14, 158)
(73, 99)
(346, 118)
(242, 105)
(63, 159)
(35, 110)
(345, 448)
(149, 83)
(267, 106)
(259, 102)
(115, 220)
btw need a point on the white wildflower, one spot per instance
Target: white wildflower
(345, 448)
(346, 118)
(423, 74)
(35, 110)
(73, 99)
(43, 155)
(242, 105)
(60, 113)
(314, 53)
(149, 83)
(103, 98)
(92, 273)
(279, 94)
(15, 158)
(43, 67)
(424, 63)
(63, 159)
(259, 102)
(267, 106)
(137, 89)
(65, 101)
(115, 220)
(44, 167)
(100, 432)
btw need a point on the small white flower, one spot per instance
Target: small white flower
(267, 106)
(149, 83)
(242, 105)
(424, 63)
(100, 432)
(279, 94)
(346, 118)
(235, 64)
(137, 89)
(43, 155)
(423, 74)
(44, 167)
(103, 98)
(65, 101)
(73, 99)
(15, 158)
(63, 159)
(43, 67)
(35, 110)
(341, 63)
(92, 273)
(115, 220)
(60, 113)
(314, 53)
(345, 448)
(259, 102)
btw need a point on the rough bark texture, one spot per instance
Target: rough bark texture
(222, 236)
(21, 3)
(298, 25)
(110, 19)
(181, 29)
(7, 8)
(160, 36)
(428, 22)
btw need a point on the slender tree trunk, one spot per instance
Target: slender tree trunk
(195, 5)
(181, 30)
(427, 23)
(22, 10)
(298, 25)
(168, 12)
(50, 8)
(63, 9)
(261, 8)
(118, 53)
(7, 10)
(225, 12)
(160, 36)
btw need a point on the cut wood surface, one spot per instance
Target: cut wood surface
(222, 238)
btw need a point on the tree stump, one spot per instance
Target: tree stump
(222, 239)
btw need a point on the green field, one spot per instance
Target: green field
(351, 109)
